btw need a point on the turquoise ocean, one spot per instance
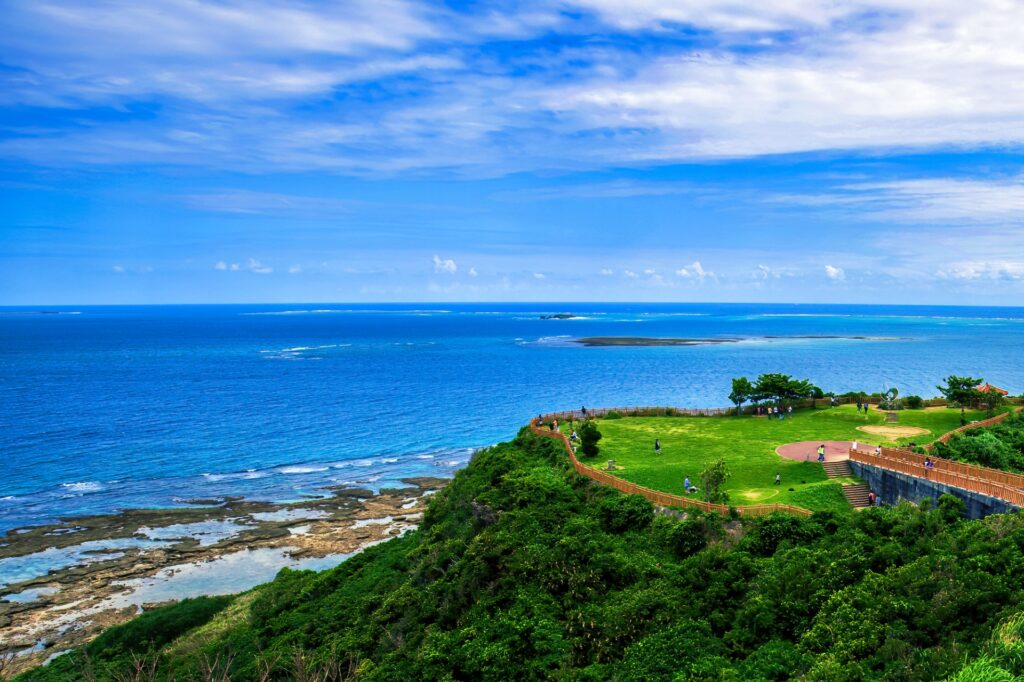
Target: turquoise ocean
(108, 408)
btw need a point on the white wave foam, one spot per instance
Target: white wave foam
(82, 487)
(389, 460)
(302, 469)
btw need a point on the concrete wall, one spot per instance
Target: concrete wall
(891, 487)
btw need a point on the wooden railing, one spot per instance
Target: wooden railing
(944, 438)
(656, 496)
(1002, 485)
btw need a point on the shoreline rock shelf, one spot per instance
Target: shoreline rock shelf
(68, 606)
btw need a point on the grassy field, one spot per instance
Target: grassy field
(748, 446)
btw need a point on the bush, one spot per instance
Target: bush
(589, 436)
(625, 512)
(914, 402)
(613, 415)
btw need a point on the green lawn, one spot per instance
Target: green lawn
(748, 446)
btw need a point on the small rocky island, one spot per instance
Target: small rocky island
(607, 341)
(647, 341)
(559, 316)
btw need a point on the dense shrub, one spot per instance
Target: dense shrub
(625, 512)
(589, 437)
(913, 402)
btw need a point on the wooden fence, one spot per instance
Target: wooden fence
(944, 438)
(1002, 485)
(658, 497)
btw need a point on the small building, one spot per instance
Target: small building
(989, 388)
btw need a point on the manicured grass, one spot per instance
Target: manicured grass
(748, 446)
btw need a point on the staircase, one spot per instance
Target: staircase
(857, 494)
(838, 469)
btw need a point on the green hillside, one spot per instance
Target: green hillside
(523, 570)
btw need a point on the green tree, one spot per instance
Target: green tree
(589, 436)
(712, 481)
(962, 391)
(781, 387)
(741, 392)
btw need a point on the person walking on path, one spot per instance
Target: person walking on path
(657, 446)
(778, 479)
(821, 453)
(871, 498)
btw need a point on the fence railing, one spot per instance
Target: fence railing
(656, 496)
(944, 438)
(1002, 485)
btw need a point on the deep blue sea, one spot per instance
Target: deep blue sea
(105, 408)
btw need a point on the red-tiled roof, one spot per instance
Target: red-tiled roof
(989, 388)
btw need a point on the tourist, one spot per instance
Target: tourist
(821, 453)
(790, 410)
(871, 498)
(928, 463)
(657, 446)
(554, 425)
(858, 406)
(584, 411)
(574, 435)
(686, 484)
(878, 450)
(778, 479)
(854, 445)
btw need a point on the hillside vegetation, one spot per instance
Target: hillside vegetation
(524, 570)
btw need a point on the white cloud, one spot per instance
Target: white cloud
(835, 273)
(446, 266)
(607, 272)
(220, 265)
(295, 269)
(118, 268)
(539, 275)
(984, 270)
(472, 272)
(694, 271)
(258, 267)
(630, 274)
(825, 75)
(235, 267)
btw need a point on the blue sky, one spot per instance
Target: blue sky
(393, 150)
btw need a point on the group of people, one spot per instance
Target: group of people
(774, 411)
(863, 406)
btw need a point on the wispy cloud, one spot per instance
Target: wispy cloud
(263, 85)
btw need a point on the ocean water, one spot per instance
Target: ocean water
(107, 408)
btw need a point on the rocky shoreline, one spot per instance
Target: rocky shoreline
(106, 569)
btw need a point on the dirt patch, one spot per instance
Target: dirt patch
(893, 432)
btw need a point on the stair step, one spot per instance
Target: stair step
(857, 494)
(837, 469)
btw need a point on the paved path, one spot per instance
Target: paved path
(807, 450)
